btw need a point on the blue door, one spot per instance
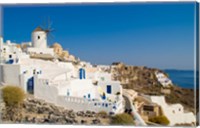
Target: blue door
(82, 73)
(30, 85)
(109, 90)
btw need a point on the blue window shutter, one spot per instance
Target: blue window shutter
(80, 73)
(109, 89)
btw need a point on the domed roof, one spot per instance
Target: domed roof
(38, 29)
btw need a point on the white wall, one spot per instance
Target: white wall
(116, 87)
(79, 104)
(39, 43)
(11, 74)
(43, 91)
(1, 75)
(41, 50)
(175, 112)
(82, 87)
(50, 93)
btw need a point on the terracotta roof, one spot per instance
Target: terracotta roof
(38, 29)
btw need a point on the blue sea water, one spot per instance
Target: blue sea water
(182, 78)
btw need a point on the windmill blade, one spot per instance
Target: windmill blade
(49, 24)
(51, 30)
(43, 25)
(51, 36)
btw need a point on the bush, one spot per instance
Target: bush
(12, 95)
(160, 120)
(122, 119)
(102, 114)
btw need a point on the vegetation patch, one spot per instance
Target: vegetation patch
(122, 119)
(13, 97)
(160, 120)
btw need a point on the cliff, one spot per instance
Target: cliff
(143, 80)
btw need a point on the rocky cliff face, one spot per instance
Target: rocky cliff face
(143, 80)
(135, 76)
(39, 112)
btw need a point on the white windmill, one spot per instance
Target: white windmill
(41, 35)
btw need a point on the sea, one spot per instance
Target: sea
(182, 78)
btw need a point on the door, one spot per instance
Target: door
(30, 85)
(109, 89)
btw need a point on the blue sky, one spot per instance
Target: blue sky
(157, 35)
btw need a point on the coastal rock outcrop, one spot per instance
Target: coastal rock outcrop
(143, 80)
(39, 112)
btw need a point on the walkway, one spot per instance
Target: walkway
(129, 106)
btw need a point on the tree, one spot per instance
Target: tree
(13, 97)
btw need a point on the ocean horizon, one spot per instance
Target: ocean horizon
(182, 78)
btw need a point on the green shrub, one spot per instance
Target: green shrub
(12, 95)
(122, 119)
(160, 120)
(102, 114)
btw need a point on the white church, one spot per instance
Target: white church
(65, 84)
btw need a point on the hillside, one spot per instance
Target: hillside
(35, 111)
(143, 80)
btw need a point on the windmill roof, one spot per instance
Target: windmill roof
(38, 29)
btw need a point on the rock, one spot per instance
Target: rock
(83, 121)
(72, 115)
(28, 118)
(33, 120)
(80, 113)
(39, 120)
(96, 121)
(68, 120)
(52, 118)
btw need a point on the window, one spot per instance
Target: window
(34, 71)
(109, 89)
(68, 93)
(89, 96)
(148, 108)
(38, 37)
(106, 105)
(95, 104)
(10, 56)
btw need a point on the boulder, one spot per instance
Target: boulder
(96, 121)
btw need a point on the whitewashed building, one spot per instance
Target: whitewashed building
(163, 79)
(39, 43)
(78, 87)
(174, 112)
